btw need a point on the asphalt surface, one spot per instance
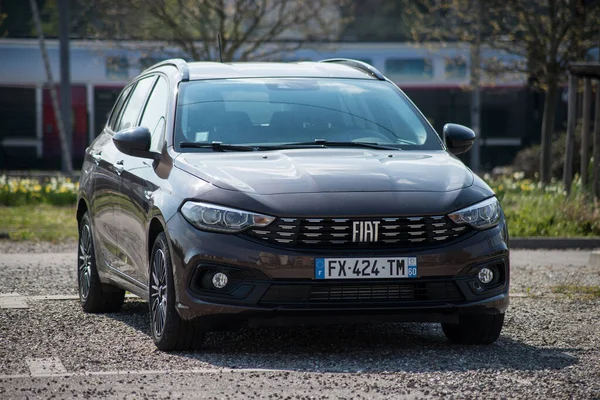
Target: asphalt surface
(549, 348)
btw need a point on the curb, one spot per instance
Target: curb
(556, 243)
(594, 259)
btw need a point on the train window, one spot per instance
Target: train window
(117, 68)
(147, 62)
(363, 59)
(456, 68)
(17, 112)
(413, 68)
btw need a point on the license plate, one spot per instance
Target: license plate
(366, 268)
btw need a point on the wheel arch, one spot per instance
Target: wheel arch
(82, 208)
(156, 226)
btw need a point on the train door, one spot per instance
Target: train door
(79, 129)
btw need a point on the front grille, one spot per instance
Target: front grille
(315, 294)
(338, 232)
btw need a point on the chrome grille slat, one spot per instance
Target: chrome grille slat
(337, 233)
(287, 234)
(387, 234)
(390, 226)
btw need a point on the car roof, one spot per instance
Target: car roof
(216, 70)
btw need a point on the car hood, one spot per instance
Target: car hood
(329, 170)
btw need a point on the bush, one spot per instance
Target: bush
(534, 210)
(528, 160)
(23, 191)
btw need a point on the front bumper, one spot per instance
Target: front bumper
(271, 285)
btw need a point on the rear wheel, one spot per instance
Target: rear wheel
(168, 330)
(475, 329)
(94, 296)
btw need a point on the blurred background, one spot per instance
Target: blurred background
(499, 67)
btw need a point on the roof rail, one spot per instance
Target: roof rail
(363, 66)
(178, 63)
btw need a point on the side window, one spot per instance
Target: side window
(118, 107)
(130, 114)
(155, 113)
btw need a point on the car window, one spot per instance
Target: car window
(154, 114)
(118, 107)
(276, 111)
(131, 112)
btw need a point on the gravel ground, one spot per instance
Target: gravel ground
(26, 247)
(550, 347)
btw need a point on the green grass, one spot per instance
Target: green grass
(576, 290)
(532, 210)
(41, 222)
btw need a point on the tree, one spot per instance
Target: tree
(249, 29)
(541, 37)
(67, 165)
(380, 21)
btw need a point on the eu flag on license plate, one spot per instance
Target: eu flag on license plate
(320, 268)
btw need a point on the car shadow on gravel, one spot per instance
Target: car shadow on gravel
(393, 347)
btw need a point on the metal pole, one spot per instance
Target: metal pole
(66, 153)
(569, 143)
(596, 165)
(585, 129)
(65, 72)
(475, 159)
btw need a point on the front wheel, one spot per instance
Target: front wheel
(475, 329)
(168, 330)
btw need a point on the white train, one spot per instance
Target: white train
(435, 77)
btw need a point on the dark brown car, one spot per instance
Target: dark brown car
(250, 194)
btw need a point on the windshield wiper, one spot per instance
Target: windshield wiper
(326, 143)
(217, 146)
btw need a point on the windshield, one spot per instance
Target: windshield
(278, 111)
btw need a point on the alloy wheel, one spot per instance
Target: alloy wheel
(158, 292)
(85, 261)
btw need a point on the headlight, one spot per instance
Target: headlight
(214, 218)
(483, 215)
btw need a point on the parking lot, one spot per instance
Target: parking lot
(549, 348)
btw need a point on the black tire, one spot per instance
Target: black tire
(94, 296)
(167, 329)
(475, 329)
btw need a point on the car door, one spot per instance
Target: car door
(105, 183)
(140, 182)
(129, 118)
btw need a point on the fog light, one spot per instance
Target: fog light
(219, 280)
(485, 275)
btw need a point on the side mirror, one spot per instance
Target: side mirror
(135, 142)
(458, 138)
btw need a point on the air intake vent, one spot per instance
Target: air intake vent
(315, 294)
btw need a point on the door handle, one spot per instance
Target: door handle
(119, 167)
